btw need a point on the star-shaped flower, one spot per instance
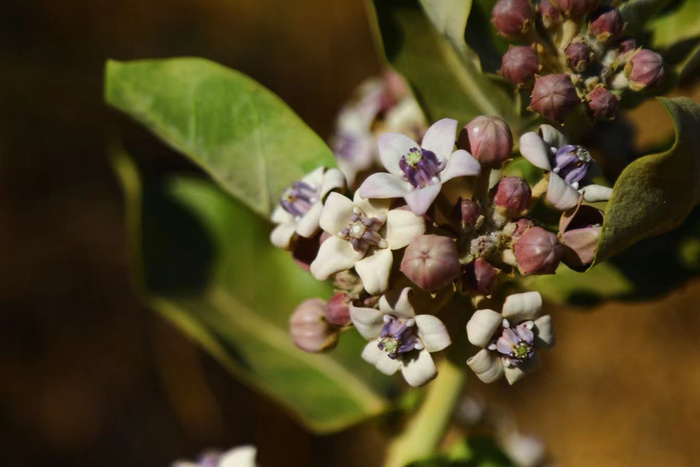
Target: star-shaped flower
(417, 171)
(400, 339)
(363, 234)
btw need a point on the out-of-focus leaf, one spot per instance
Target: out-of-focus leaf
(207, 266)
(638, 12)
(655, 193)
(470, 452)
(243, 135)
(678, 25)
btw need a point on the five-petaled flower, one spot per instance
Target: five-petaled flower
(400, 339)
(417, 171)
(509, 339)
(363, 234)
(301, 204)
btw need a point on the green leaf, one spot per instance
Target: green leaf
(446, 83)
(655, 193)
(207, 266)
(679, 25)
(450, 19)
(638, 12)
(243, 135)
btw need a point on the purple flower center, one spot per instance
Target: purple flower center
(515, 343)
(298, 199)
(420, 167)
(399, 337)
(571, 163)
(363, 232)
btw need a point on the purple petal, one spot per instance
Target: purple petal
(440, 137)
(460, 164)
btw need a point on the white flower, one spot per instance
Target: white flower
(242, 456)
(509, 339)
(364, 233)
(300, 205)
(400, 339)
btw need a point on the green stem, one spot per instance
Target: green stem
(427, 427)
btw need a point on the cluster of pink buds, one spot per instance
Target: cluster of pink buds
(436, 222)
(571, 53)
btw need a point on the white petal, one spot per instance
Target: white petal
(334, 255)
(544, 335)
(243, 456)
(377, 357)
(420, 370)
(282, 234)
(522, 307)
(398, 303)
(560, 194)
(371, 207)
(280, 216)
(419, 200)
(374, 270)
(308, 225)
(383, 185)
(535, 150)
(440, 137)
(486, 365)
(596, 193)
(314, 178)
(515, 373)
(402, 226)
(460, 164)
(332, 179)
(482, 325)
(392, 147)
(367, 321)
(433, 333)
(336, 213)
(552, 136)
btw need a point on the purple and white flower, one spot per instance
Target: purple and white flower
(242, 456)
(300, 206)
(509, 339)
(567, 165)
(417, 171)
(400, 339)
(363, 234)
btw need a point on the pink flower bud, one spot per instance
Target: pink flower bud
(551, 16)
(554, 97)
(626, 46)
(644, 69)
(488, 139)
(580, 229)
(338, 310)
(431, 261)
(479, 277)
(513, 196)
(309, 329)
(538, 251)
(512, 17)
(519, 227)
(606, 23)
(579, 56)
(519, 64)
(602, 104)
(466, 213)
(576, 8)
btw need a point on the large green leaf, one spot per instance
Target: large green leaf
(638, 12)
(244, 136)
(207, 266)
(655, 193)
(678, 25)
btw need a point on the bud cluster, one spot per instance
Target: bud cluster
(575, 54)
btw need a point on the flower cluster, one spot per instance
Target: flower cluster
(574, 52)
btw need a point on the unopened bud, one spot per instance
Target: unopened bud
(466, 213)
(512, 17)
(516, 228)
(603, 104)
(519, 64)
(338, 310)
(538, 251)
(576, 9)
(580, 229)
(479, 277)
(554, 97)
(309, 329)
(431, 261)
(579, 56)
(513, 196)
(551, 16)
(606, 23)
(488, 139)
(644, 69)
(626, 46)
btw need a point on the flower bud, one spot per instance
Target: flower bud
(602, 104)
(554, 97)
(512, 17)
(517, 228)
(466, 213)
(551, 16)
(513, 196)
(309, 329)
(431, 261)
(576, 9)
(519, 64)
(606, 23)
(538, 251)
(488, 139)
(479, 277)
(579, 56)
(626, 46)
(644, 69)
(338, 310)
(580, 229)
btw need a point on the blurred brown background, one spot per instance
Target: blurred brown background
(88, 376)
